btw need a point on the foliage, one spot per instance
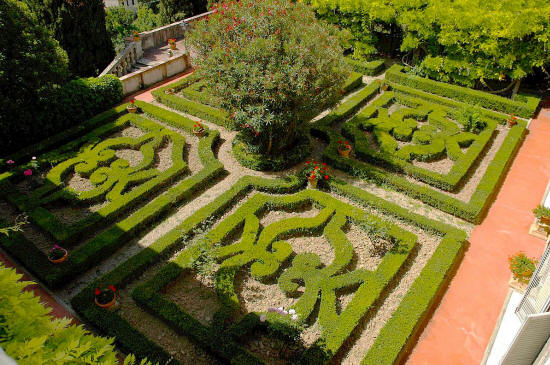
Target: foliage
(471, 120)
(474, 209)
(17, 226)
(522, 267)
(271, 65)
(171, 11)
(468, 42)
(541, 211)
(122, 22)
(115, 235)
(523, 105)
(79, 26)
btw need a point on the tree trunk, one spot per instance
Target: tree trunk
(516, 88)
(270, 144)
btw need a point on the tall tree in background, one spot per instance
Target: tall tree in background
(79, 26)
(31, 64)
(171, 11)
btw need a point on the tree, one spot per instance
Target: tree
(171, 11)
(147, 19)
(31, 64)
(119, 22)
(272, 65)
(79, 26)
(469, 42)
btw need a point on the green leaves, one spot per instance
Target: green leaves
(272, 65)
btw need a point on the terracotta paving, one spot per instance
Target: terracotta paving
(145, 95)
(461, 327)
(58, 310)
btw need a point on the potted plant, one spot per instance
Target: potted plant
(344, 148)
(136, 36)
(198, 129)
(132, 108)
(522, 267)
(105, 297)
(543, 215)
(169, 91)
(384, 86)
(316, 171)
(172, 43)
(58, 254)
(512, 121)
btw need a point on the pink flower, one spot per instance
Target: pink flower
(10, 162)
(263, 318)
(27, 172)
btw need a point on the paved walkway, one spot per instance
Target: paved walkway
(461, 327)
(145, 95)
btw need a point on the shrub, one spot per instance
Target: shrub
(541, 211)
(30, 336)
(522, 267)
(59, 109)
(272, 65)
(524, 107)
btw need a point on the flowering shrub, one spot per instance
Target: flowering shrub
(105, 295)
(522, 267)
(344, 145)
(197, 127)
(317, 170)
(271, 64)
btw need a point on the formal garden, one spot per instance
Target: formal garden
(285, 203)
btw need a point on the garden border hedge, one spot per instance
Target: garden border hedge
(448, 252)
(525, 109)
(353, 129)
(107, 242)
(472, 211)
(369, 68)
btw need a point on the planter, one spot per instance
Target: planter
(61, 259)
(172, 46)
(131, 109)
(384, 87)
(199, 133)
(344, 152)
(312, 183)
(544, 220)
(106, 305)
(511, 122)
(519, 286)
(169, 91)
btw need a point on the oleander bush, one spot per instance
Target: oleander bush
(271, 65)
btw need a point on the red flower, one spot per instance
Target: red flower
(27, 172)
(277, 31)
(132, 101)
(326, 177)
(112, 288)
(307, 162)
(324, 164)
(97, 291)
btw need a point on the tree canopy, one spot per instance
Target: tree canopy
(463, 41)
(271, 64)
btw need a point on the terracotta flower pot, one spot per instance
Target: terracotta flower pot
(172, 46)
(384, 87)
(511, 122)
(131, 108)
(199, 132)
(312, 183)
(61, 259)
(106, 305)
(344, 152)
(169, 91)
(136, 38)
(544, 220)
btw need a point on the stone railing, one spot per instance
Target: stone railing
(127, 59)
